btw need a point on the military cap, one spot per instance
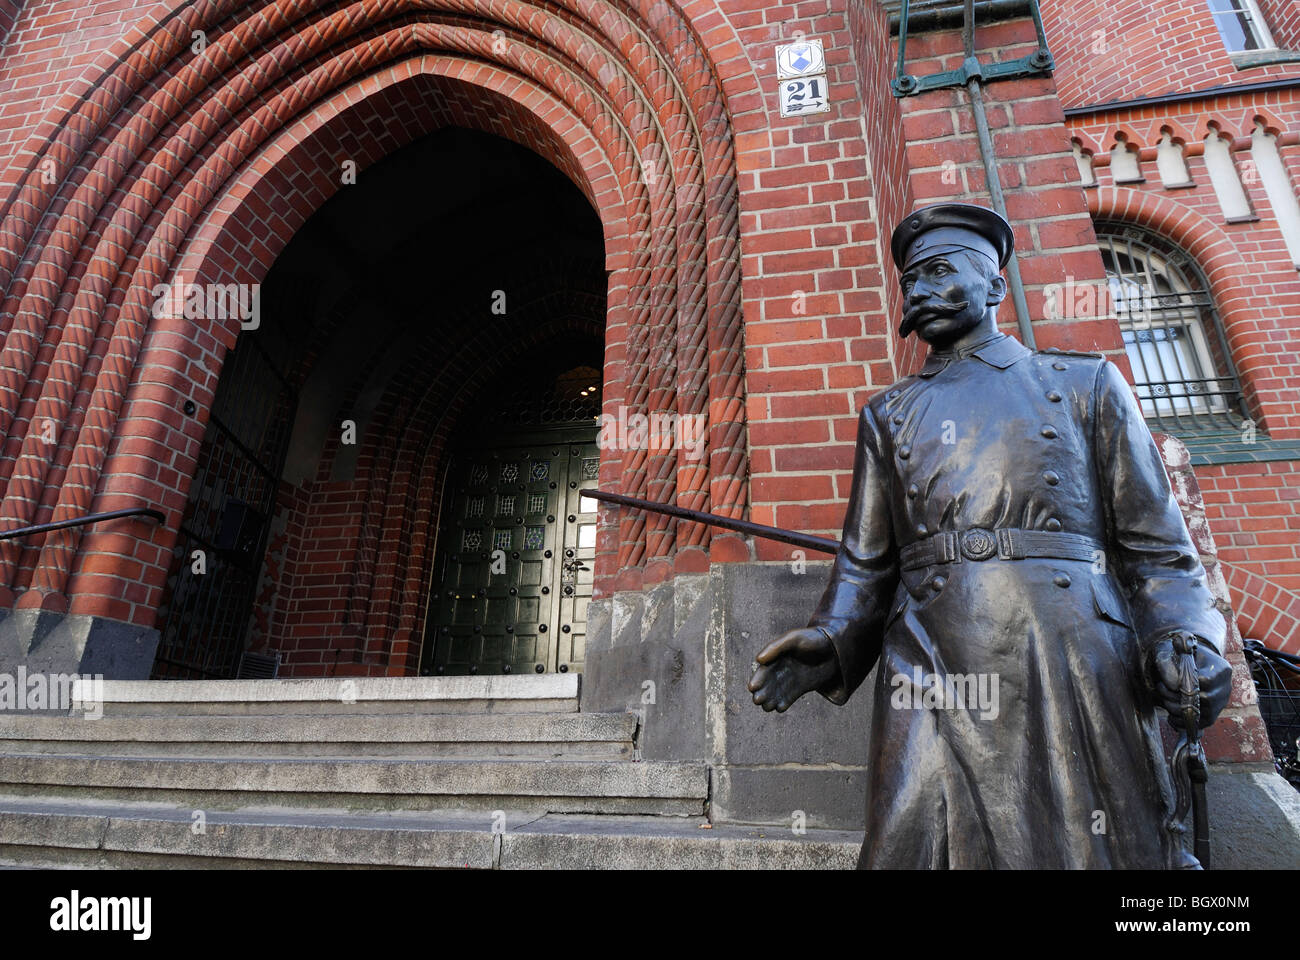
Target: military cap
(946, 227)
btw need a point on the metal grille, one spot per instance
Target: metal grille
(205, 615)
(1182, 369)
(258, 666)
(543, 398)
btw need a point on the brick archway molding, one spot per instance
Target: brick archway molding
(182, 167)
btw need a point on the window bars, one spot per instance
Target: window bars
(1175, 342)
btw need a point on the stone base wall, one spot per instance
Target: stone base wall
(683, 653)
(54, 643)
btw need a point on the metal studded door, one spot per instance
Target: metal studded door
(579, 556)
(513, 576)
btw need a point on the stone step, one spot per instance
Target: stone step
(522, 786)
(108, 834)
(539, 735)
(545, 693)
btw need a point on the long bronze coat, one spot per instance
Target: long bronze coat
(1069, 772)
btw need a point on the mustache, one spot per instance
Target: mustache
(932, 308)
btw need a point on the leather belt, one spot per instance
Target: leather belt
(1004, 543)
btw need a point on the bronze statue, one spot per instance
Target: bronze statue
(1014, 565)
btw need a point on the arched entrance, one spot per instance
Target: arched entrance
(412, 315)
(175, 169)
(517, 542)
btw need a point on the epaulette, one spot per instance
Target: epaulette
(1058, 352)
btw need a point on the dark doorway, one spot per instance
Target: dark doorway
(320, 553)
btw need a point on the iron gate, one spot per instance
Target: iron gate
(208, 599)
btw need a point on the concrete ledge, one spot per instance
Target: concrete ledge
(508, 777)
(832, 797)
(335, 838)
(566, 735)
(556, 686)
(103, 835)
(638, 843)
(552, 693)
(521, 727)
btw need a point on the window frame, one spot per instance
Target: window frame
(1204, 395)
(1258, 26)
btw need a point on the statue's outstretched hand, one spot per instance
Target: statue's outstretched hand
(1214, 675)
(800, 662)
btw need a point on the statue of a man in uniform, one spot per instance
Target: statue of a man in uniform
(1009, 521)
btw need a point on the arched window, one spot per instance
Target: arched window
(1175, 343)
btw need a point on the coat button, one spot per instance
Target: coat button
(938, 583)
(1061, 580)
(1051, 478)
(1053, 525)
(1053, 396)
(893, 394)
(1049, 432)
(898, 420)
(904, 452)
(1058, 365)
(913, 491)
(922, 529)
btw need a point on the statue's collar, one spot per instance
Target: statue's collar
(998, 350)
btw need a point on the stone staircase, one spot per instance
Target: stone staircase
(491, 772)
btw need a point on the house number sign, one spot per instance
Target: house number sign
(801, 73)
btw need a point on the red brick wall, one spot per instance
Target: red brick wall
(1109, 50)
(1254, 283)
(1054, 236)
(1254, 512)
(1283, 18)
(1239, 735)
(1250, 271)
(9, 10)
(817, 198)
(814, 286)
(52, 50)
(798, 398)
(253, 156)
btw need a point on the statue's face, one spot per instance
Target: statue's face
(946, 296)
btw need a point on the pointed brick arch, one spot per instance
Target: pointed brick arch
(155, 168)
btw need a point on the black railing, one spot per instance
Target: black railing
(792, 537)
(83, 521)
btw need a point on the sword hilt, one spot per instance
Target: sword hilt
(1189, 768)
(1189, 683)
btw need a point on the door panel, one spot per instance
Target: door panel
(512, 579)
(578, 557)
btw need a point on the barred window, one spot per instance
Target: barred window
(1175, 342)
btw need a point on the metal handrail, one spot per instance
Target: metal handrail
(82, 521)
(792, 537)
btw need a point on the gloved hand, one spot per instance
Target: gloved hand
(1214, 673)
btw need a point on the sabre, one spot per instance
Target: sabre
(1187, 765)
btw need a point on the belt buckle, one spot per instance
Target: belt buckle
(978, 544)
